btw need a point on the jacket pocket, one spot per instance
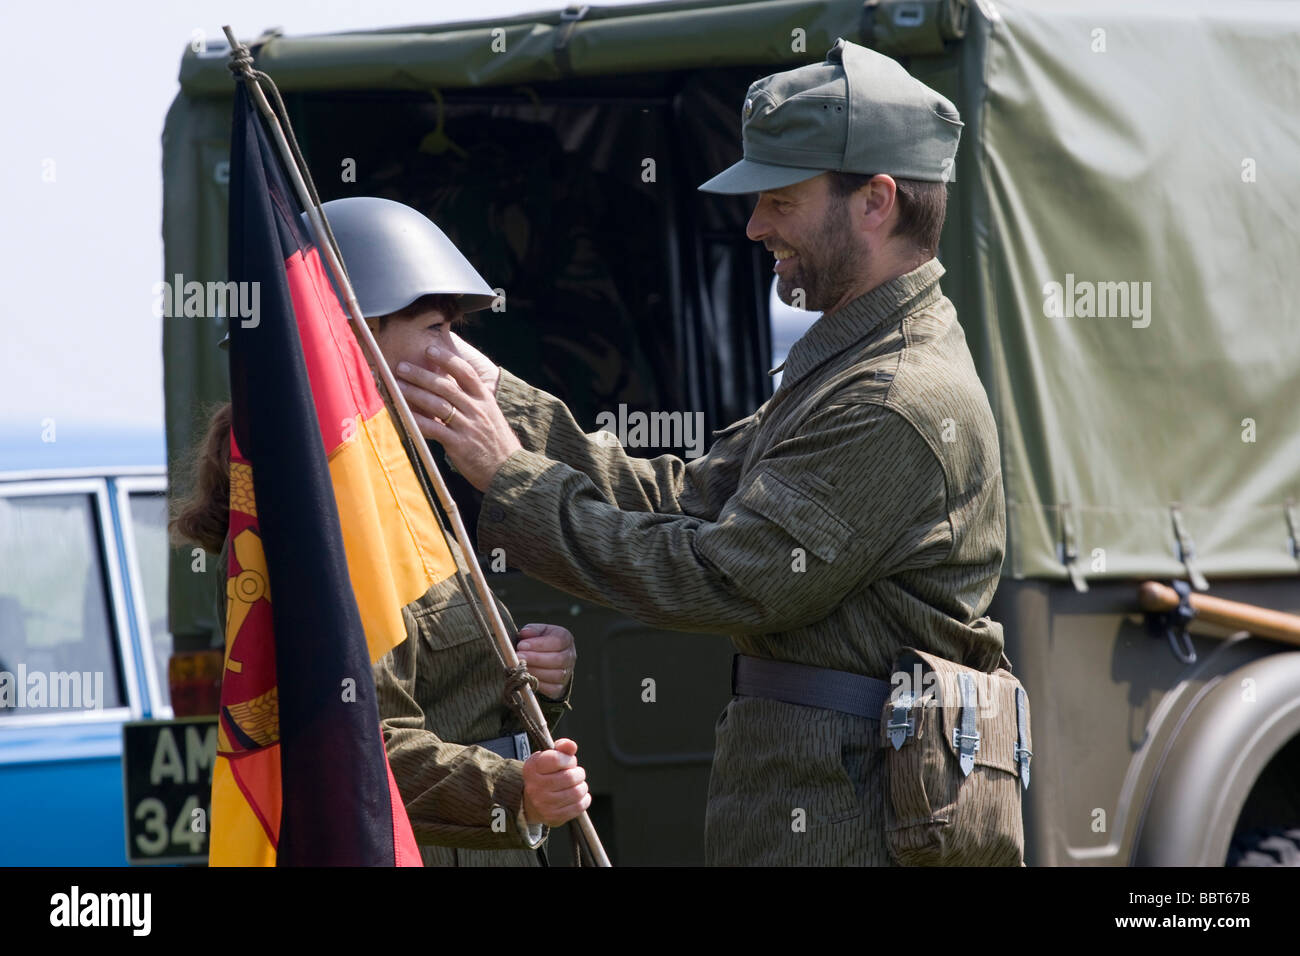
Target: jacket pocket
(800, 506)
(442, 617)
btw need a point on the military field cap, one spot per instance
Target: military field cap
(857, 112)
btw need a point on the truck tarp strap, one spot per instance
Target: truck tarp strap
(1070, 549)
(1292, 528)
(569, 18)
(1187, 551)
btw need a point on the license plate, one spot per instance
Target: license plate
(167, 779)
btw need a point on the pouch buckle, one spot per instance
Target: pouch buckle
(966, 737)
(902, 722)
(1022, 752)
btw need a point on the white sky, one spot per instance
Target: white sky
(87, 85)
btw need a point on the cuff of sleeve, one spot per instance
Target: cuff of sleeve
(558, 703)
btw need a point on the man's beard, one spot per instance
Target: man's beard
(827, 264)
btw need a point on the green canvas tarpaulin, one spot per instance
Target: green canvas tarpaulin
(1151, 149)
(1120, 243)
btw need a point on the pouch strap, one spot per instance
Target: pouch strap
(1022, 728)
(902, 722)
(966, 738)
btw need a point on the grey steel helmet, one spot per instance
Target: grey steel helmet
(394, 254)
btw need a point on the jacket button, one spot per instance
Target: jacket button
(496, 513)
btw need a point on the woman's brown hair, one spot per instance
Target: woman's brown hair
(203, 516)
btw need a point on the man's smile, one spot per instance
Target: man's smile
(784, 260)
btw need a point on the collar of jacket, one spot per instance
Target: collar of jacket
(832, 334)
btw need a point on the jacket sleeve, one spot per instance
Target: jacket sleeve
(854, 495)
(455, 795)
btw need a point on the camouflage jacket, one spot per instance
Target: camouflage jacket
(859, 510)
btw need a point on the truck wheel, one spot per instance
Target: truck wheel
(1266, 846)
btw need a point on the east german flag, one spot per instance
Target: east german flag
(330, 536)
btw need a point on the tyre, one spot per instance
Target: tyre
(1266, 846)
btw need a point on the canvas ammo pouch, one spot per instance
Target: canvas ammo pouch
(957, 750)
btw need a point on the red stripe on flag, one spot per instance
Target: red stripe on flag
(406, 852)
(341, 381)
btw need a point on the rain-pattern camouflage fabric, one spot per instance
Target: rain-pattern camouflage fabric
(439, 691)
(859, 510)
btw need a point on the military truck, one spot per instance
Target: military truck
(1121, 251)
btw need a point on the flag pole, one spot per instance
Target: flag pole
(242, 63)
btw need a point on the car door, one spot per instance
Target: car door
(68, 673)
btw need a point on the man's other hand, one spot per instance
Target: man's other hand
(551, 656)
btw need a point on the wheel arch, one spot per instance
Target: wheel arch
(1230, 737)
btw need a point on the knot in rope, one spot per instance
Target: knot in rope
(241, 60)
(516, 679)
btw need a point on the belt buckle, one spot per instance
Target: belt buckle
(522, 748)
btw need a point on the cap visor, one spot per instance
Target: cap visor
(748, 176)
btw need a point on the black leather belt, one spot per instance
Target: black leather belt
(511, 746)
(809, 686)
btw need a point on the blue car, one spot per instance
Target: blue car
(84, 641)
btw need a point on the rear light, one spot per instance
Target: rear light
(195, 681)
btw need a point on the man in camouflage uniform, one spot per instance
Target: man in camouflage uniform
(859, 510)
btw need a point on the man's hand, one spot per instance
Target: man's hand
(555, 787)
(453, 406)
(551, 656)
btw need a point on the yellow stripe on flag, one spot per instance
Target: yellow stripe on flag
(243, 840)
(395, 547)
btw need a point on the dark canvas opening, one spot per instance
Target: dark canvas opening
(624, 284)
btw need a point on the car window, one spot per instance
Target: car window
(56, 635)
(149, 528)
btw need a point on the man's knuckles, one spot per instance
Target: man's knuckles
(548, 762)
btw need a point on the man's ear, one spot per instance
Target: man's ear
(880, 201)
